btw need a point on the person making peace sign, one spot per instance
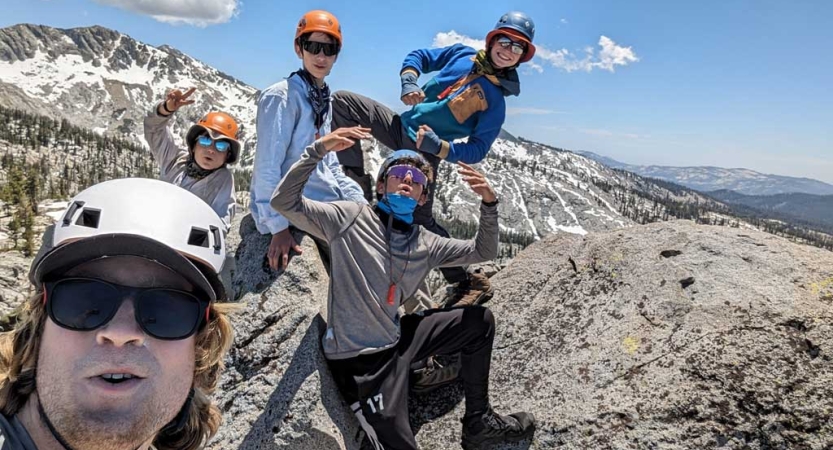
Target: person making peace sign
(202, 167)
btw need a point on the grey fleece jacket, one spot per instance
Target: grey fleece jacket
(217, 189)
(359, 318)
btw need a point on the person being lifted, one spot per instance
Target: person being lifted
(380, 258)
(466, 99)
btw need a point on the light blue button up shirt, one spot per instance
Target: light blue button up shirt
(285, 127)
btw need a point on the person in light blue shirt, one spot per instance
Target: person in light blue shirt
(291, 115)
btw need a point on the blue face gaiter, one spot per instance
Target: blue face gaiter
(400, 206)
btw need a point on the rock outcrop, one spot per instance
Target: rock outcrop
(671, 335)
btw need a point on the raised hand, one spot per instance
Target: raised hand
(176, 99)
(344, 138)
(477, 182)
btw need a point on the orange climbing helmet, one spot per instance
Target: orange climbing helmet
(218, 125)
(319, 20)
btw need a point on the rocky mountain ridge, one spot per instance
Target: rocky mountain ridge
(709, 178)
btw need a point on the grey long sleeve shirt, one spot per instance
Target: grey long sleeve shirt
(217, 189)
(364, 264)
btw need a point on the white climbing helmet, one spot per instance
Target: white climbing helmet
(138, 217)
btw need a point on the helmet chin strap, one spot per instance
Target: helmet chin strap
(65, 444)
(51, 427)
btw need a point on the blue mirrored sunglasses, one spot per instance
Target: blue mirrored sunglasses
(402, 172)
(220, 145)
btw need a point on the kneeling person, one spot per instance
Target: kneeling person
(379, 259)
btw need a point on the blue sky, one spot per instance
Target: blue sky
(734, 83)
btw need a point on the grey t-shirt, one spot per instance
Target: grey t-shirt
(13, 436)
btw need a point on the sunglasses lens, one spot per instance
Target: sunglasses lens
(330, 49)
(402, 172)
(317, 47)
(83, 305)
(168, 314)
(516, 47)
(205, 141)
(221, 146)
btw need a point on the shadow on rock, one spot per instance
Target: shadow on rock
(252, 271)
(276, 415)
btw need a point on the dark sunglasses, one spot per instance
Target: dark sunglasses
(401, 172)
(85, 304)
(220, 145)
(315, 48)
(518, 48)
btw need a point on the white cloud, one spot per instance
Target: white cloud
(532, 111)
(608, 57)
(564, 21)
(596, 132)
(453, 37)
(193, 12)
(614, 55)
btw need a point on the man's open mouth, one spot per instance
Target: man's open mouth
(116, 378)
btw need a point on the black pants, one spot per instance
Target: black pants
(376, 385)
(385, 125)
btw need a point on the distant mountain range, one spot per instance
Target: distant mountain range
(707, 179)
(808, 208)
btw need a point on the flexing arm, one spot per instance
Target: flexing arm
(321, 219)
(484, 247)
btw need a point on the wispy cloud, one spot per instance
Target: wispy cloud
(564, 21)
(608, 133)
(531, 111)
(200, 13)
(607, 57)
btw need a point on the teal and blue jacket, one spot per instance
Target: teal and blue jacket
(458, 102)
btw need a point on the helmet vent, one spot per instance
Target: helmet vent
(198, 237)
(89, 218)
(73, 208)
(218, 240)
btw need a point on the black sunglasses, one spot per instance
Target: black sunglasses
(315, 48)
(85, 304)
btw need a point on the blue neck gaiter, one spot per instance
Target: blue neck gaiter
(400, 206)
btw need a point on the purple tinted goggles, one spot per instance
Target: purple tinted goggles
(401, 172)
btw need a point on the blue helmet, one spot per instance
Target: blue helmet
(519, 26)
(400, 155)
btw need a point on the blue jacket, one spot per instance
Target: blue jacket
(475, 110)
(285, 127)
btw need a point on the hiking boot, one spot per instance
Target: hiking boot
(483, 430)
(434, 376)
(474, 290)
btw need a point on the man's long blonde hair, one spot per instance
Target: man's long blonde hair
(19, 356)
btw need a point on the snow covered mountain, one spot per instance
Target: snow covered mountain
(105, 81)
(541, 190)
(707, 178)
